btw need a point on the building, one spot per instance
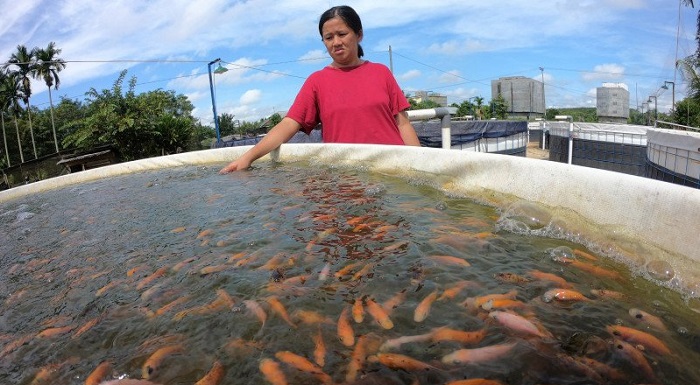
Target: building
(524, 96)
(612, 103)
(427, 95)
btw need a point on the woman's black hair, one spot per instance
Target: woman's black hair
(349, 16)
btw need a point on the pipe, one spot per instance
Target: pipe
(444, 113)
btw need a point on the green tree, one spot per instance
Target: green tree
(24, 60)
(11, 92)
(228, 125)
(137, 126)
(479, 107)
(47, 67)
(499, 106)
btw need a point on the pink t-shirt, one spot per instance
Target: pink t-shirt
(355, 105)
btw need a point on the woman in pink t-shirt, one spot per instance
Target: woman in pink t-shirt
(356, 101)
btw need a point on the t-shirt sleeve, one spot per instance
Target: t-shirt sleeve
(398, 99)
(305, 110)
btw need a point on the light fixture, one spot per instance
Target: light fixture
(673, 92)
(219, 70)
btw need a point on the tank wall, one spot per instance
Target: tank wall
(674, 156)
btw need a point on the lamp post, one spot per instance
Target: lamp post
(656, 111)
(673, 93)
(218, 70)
(544, 102)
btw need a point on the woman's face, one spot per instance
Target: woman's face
(341, 42)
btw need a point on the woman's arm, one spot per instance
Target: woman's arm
(280, 133)
(408, 133)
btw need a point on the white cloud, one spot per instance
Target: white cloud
(251, 97)
(605, 72)
(409, 75)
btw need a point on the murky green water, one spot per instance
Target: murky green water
(119, 268)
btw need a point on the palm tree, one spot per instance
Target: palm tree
(3, 105)
(23, 59)
(47, 67)
(10, 95)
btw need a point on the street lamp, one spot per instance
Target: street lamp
(218, 70)
(673, 93)
(544, 102)
(656, 111)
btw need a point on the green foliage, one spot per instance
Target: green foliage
(580, 114)
(138, 126)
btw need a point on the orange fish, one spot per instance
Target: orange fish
(365, 271)
(272, 372)
(304, 365)
(205, 233)
(358, 312)
(517, 323)
(347, 269)
(86, 326)
(595, 270)
(52, 332)
(171, 305)
(447, 334)
(319, 348)
(638, 337)
(478, 355)
(511, 278)
(454, 290)
(423, 308)
(647, 319)
(502, 303)
(559, 281)
(396, 343)
(563, 295)
(393, 302)
(102, 372)
(636, 358)
(450, 260)
(212, 269)
(402, 362)
(156, 274)
(256, 309)
(609, 294)
(311, 317)
(345, 332)
(278, 308)
(477, 302)
(153, 363)
(214, 376)
(379, 314)
(584, 254)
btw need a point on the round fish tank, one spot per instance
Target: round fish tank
(349, 264)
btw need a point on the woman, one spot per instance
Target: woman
(356, 101)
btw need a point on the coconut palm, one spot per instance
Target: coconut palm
(23, 59)
(47, 67)
(10, 95)
(3, 106)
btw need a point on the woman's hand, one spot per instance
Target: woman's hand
(236, 165)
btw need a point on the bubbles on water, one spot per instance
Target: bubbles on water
(24, 215)
(528, 213)
(660, 270)
(441, 206)
(561, 253)
(375, 191)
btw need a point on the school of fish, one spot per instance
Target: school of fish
(359, 301)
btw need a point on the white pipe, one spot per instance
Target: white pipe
(441, 112)
(571, 142)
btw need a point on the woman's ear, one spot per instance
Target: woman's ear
(360, 36)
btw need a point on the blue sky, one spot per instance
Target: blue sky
(453, 47)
